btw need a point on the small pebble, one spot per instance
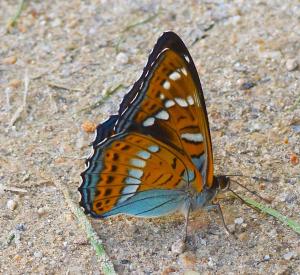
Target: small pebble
(267, 257)
(290, 197)
(125, 261)
(9, 60)
(168, 270)
(15, 83)
(17, 258)
(244, 225)
(20, 227)
(38, 254)
(241, 82)
(243, 236)
(42, 211)
(11, 204)
(188, 259)
(255, 127)
(122, 58)
(290, 255)
(231, 227)
(89, 127)
(291, 64)
(244, 84)
(296, 128)
(210, 262)
(238, 67)
(247, 85)
(178, 247)
(294, 159)
(239, 220)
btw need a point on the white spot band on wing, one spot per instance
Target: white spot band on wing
(129, 189)
(138, 162)
(167, 85)
(149, 121)
(187, 58)
(162, 96)
(144, 154)
(181, 102)
(162, 115)
(136, 173)
(184, 71)
(190, 100)
(169, 103)
(175, 75)
(192, 137)
(153, 148)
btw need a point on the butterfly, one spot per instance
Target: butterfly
(155, 156)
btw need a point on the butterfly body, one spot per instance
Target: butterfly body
(155, 156)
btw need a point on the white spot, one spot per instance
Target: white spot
(130, 180)
(181, 102)
(136, 173)
(162, 115)
(190, 100)
(192, 137)
(166, 85)
(175, 76)
(169, 103)
(153, 148)
(130, 190)
(143, 154)
(138, 163)
(184, 71)
(162, 96)
(149, 121)
(187, 58)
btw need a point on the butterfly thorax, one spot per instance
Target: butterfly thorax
(203, 199)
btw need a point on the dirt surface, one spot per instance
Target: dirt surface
(63, 57)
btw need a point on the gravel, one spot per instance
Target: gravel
(75, 53)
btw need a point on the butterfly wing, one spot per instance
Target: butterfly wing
(167, 103)
(165, 109)
(138, 175)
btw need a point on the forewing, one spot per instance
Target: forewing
(167, 103)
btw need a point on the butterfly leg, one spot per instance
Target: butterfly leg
(186, 223)
(219, 209)
(218, 206)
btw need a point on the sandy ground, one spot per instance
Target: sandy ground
(71, 55)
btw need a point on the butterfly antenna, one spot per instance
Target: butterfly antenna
(250, 191)
(250, 177)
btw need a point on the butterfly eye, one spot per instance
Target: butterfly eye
(223, 182)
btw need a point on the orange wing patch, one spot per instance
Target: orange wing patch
(172, 111)
(137, 163)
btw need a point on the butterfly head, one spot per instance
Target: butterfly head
(221, 183)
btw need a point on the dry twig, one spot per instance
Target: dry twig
(21, 108)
